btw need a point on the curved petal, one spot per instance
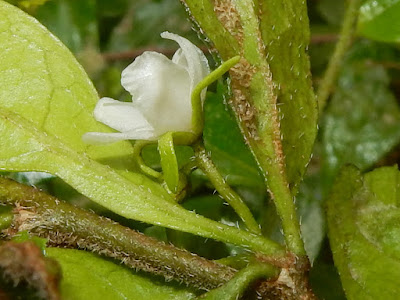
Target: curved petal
(161, 91)
(190, 57)
(121, 116)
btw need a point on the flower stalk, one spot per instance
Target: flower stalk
(230, 196)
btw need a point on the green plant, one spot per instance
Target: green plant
(250, 137)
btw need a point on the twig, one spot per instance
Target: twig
(346, 36)
(66, 225)
(234, 200)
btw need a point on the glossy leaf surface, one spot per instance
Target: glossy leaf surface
(362, 122)
(379, 20)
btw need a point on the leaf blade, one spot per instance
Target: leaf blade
(87, 276)
(359, 235)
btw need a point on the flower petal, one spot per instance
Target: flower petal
(98, 138)
(161, 91)
(121, 116)
(191, 57)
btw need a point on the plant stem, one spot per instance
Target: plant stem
(266, 141)
(235, 288)
(234, 200)
(335, 62)
(66, 225)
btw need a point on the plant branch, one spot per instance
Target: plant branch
(66, 225)
(335, 62)
(234, 200)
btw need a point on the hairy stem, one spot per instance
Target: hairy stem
(66, 225)
(335, 62)
(265, 140)
(234, 200)
(236, 287)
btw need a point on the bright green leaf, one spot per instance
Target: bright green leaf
(46, 104)
(362, 122)
(380, 20)
(364, 222)
(87, 276)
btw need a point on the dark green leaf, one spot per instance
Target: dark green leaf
(309, 202)
(332, 11)
(87, 276)
(380, 20)
(145, 20)
(362, 122)
(364, 222)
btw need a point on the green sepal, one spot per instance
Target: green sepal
(169, 163)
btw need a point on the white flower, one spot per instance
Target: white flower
(161, 95)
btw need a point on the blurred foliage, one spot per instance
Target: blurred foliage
(361, 124)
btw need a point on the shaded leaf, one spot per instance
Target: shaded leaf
(312, 216)
(362, 122)
(332, 11)
(87, 276)
(380, 20)
(364, 222)
(145, 20)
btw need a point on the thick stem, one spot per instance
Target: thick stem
(66, 225)
(335, 62)
(234, 200)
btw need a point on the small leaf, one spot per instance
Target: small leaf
(379, 20)
(362, 122)
(87, 276)
(364, 222)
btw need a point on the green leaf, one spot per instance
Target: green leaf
(286, 35)
(364, 222)
(223, 139)
(309, 202)
(41, 81)
(379, 20)
(362, 122)
(87, 276)
(46, 103)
